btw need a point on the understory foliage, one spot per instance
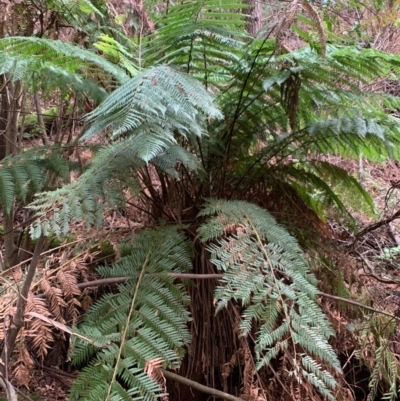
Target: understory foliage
(144, 322)
(199, 110)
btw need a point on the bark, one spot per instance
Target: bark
(255, 16)
(3, 118)
(18, 319)
(40, 119)
(10, 248)
(14, 110)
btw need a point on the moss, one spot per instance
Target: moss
(106, 249)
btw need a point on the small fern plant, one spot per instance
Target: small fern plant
(143, 323)
(266, 271)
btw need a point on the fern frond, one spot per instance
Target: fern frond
(25, 174)
(376, 139)
(159, 100)
(144, 321)
(203, 39)
(24, 57)
(377, 354)
(322, 185)
(167, 161)
(101, 186)
(266, 271)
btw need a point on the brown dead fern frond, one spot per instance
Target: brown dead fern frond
(23, 366)
(54, 298)
(153, 370)
(290, 96)
(73, 311)
(248, 375)
(228, 368)
(8, 311)
(38, 333)
(87, 300)
(251, 385)
(68, 283)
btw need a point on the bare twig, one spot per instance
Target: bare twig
(117, 280)
(373, 275)
(9, 389)
(200, 387)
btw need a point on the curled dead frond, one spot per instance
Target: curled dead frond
(68, 283)
(313, 13)
(23, 365)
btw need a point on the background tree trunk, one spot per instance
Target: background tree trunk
(255, 19)
(3, 118)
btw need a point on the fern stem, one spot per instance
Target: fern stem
(239, 110)
(287, 317)
(125, 331)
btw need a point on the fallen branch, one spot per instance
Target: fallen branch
(118, 280)
(200, 387)
(355, 303)
(373, 275)
(377, 225)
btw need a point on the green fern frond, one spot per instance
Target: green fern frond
(144, 322)
(174, 154)
(352, 136)
(266, 271)
(159, 100)
(101, 186)
(25, 174)
(379, 356)
(201, 38)
(322, 185)
(20, 55)
(77, 7)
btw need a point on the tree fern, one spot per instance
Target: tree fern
(149, 109)
(266, 271)
(144, 322)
